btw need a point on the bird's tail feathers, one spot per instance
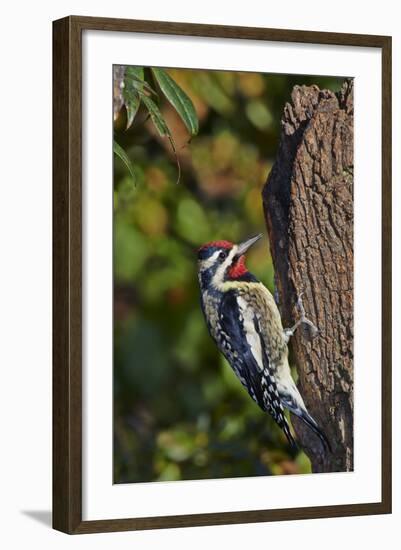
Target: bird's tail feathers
(288, 434)
(312, 424)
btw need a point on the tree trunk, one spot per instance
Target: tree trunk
(308, 202)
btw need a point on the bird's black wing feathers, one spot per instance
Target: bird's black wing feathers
(236, 351)
(259, 382)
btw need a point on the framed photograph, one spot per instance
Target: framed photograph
(222, 275)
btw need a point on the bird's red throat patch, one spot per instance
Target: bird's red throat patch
(238, 268)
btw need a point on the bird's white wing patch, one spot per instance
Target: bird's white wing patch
(252, 337)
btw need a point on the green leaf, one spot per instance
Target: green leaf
(119, 151)
(133, 76)
(161, 127)
(143, 85)
(156, 116)
(178, 99)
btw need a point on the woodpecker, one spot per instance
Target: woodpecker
(245, 323)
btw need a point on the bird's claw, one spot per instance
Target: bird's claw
(313, 330)
(300, 304)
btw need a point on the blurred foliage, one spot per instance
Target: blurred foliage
(133, 87)
(179, 410)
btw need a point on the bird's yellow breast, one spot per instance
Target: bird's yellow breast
(262, 304)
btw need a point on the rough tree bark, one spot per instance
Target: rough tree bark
(308, 202)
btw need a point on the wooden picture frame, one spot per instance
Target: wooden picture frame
(67, 274)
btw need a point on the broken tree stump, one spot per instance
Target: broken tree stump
(308, 204)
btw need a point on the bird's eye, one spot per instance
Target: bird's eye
(222, 255)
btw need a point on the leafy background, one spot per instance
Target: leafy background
(179, 411)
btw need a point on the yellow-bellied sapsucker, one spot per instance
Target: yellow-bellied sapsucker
(245, 323)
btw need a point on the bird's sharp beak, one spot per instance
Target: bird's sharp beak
(243, 247)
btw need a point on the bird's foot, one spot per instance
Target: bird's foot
(313, 330)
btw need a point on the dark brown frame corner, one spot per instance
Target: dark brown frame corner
(67, 274)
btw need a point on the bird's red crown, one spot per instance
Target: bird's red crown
(217, 244)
